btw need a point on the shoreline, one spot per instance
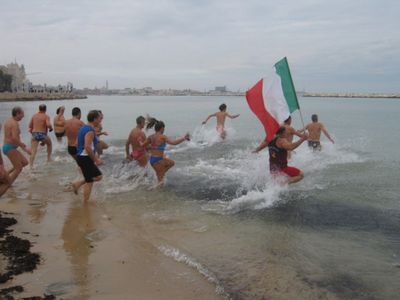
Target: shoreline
(10, 97)
(84, 254)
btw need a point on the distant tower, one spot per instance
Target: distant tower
(107, 85)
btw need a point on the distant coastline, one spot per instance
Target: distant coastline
(352, 95)
(7, 97)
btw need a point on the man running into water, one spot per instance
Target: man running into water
(314, 130)
(158, 142)
(72, 127)
(221, 116)
(59, 122)
(278, 152)
(290, 133)
(137, 136)
(86, 156)
(38, 126)
(11, 143)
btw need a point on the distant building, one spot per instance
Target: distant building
(221, 89)
(19, 81)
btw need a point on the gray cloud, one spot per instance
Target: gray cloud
(331, 45)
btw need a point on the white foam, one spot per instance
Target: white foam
(256, 188)
(191, 262)
(203, 137)
(128, 176)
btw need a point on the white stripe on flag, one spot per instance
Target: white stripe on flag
(274, 99)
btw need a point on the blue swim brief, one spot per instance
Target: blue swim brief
(8, 147)
(155, 159)
(39, 136)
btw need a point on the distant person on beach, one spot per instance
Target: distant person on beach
(59, 123)
(221, 116)
(158, 142)
(278, 153)
(314, 130)
(38, 127)
(290, 132)
(137, 136)
(12, 141)
(101, 145)
(72, 127)
(86, 156)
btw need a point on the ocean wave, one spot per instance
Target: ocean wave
(178, 256)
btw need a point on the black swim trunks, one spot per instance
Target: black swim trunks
(59, 134)
(88, 167)
(315, 145)
(72, 150)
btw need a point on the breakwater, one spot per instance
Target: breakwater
(39, 96)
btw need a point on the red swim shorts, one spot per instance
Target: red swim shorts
(290, 171)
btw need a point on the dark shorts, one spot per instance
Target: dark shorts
(72, 150)
(88, 167)
(59, 134)
(39, 136)
(315, 145)
(289, 171)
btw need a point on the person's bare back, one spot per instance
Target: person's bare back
(314, 131)
(137, 136)
(221, 117)
(40, 122)
(71, 130)
(12, 132)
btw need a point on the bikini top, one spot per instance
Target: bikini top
(159, 147)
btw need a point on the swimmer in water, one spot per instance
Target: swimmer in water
(221, 117)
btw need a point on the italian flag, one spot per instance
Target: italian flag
(273, 98)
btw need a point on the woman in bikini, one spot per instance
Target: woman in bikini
(158, 142)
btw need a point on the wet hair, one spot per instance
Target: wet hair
(58, 110)
(153, 122)
(92, 115)
(280, 130)
(140, 120)
(222, 107)
(76, 111)
(16, 110)
(314, 118)
(288, 120)
(42, 107)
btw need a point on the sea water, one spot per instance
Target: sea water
(334, 235)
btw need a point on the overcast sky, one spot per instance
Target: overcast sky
(341, 45)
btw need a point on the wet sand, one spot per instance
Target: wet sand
(84, 256)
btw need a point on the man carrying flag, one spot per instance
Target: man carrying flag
(272, 100)
(278, 154)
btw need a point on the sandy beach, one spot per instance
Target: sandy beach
(84, 256)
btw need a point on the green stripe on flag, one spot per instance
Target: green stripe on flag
(282, 69)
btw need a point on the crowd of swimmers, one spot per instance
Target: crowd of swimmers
(85, 147)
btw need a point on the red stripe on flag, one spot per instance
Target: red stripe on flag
(255, 99)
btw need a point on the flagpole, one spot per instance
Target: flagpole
(295, 93)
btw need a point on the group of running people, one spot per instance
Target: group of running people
(85, 146)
